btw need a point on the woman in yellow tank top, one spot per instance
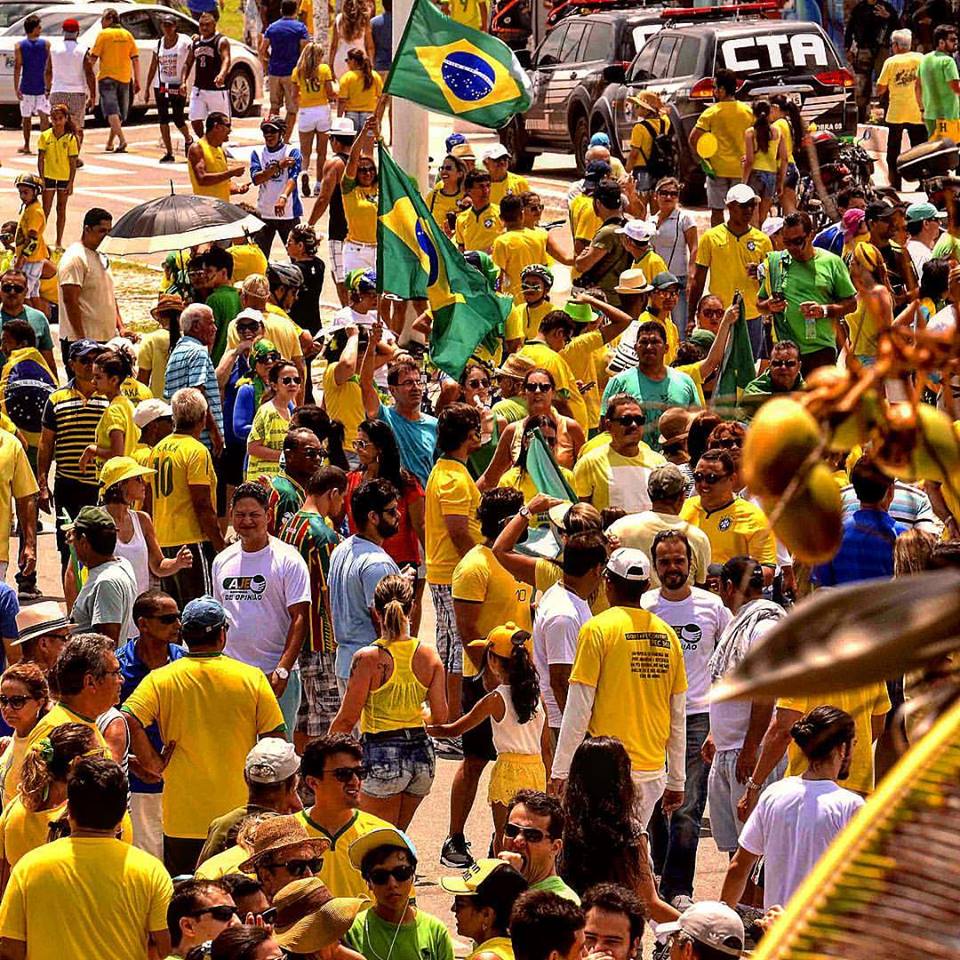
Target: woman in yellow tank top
(764, 159)
(389, 682)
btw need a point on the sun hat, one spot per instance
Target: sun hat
(579, 312)
(342, 127)
(309, 918)
(648, 101)
(463, 151)
(381, 837)
(713, 924)
(628, 563)
(515, 366)
(168, 303)
(39, 619)
(118, 469)
(279, 833)
(502, 640)
(674, 425)
(633, 281)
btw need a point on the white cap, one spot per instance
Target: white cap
(497, 152)
(711, 923)
(342, 125)
(629, 563)
(638, 231)
(772, 225)
(740, 193)
(149, 410)
(271, 761)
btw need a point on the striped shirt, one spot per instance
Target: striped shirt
(310, 534)
(910, 506)
(189, 365)
(73, 418)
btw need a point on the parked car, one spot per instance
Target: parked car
(244, 82)
(795, 58)
(13, 10)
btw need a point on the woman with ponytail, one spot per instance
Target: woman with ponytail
(788, 120)
(389, 682)
(117, 435)
(521, 737)
(360, 89)
(764, 159)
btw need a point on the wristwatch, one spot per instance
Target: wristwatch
(751, 784)
(524, 512)
(283, 673)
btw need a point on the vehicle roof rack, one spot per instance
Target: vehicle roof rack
(731, 11)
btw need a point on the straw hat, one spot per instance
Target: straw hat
(168, 303)
(281, 833)
(633, 281)
(39, 619)
(515, 366)
(310, 918)
(649, 102)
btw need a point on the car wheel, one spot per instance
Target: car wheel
(581, 141)
(514, 138)
(241, 90)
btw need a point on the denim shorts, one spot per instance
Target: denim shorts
(402, 762)
(723, 795)
(764, 183)
(114, 98)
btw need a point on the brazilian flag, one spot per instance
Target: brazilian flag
(449, 68)
(417, 261)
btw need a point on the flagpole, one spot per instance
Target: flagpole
(411, 123)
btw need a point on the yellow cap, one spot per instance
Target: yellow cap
(467, 883)
(118, 469)
(501, 640)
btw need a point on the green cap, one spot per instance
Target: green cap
(579, 312)
(703, 338)
(92, 518)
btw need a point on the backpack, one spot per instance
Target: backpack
(25, 384)
(663, 159)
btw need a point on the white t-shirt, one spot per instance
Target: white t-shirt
(794, 822)
(556, 626)
(66, 57)
(945, 321)
(85, 268)
(698, 622)
(170, 61)
(256, 590)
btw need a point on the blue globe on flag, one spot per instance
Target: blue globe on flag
(469, 77)
(426, 244)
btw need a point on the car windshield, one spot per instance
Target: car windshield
(50, 20)
(791, 52)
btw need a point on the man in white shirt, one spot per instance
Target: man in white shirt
(264, 587)
(796, 819)
(923, 228)
(563, 609)
(698, 618)
(70, 77)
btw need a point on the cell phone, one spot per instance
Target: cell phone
(737, 299)
(451, 220)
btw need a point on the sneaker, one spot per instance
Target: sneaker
(168, 158)
(305, 184)
(455, 853)
(448, 748)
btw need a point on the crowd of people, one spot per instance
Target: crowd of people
(217, 745)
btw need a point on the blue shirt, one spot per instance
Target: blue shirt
(381, 27)
(284, 35)
(34, 54)
(417, 440)
(133, 670)
(830, 238)
(189, 365)
(356, 567)
(866, 550)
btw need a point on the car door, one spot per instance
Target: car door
(140, 23)
(596, 52)
(563, 80)
(638, 76)
(544, 62)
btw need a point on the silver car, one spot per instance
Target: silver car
(244, 82)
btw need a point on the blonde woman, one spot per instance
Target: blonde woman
(315, 92)
(874, 312)
(351, 28)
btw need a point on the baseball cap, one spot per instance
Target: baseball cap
(118, 469)
(363, 281)
(39, 619)
(740, 193)
(497, 152)
(597, 170)
(501, 640)
(149, 410)
(381, 837)
(665, 483)
(271, 761)
(850, 222)
(600, 139)
(628, 563)
(772, 225)
(638, 230)
(92, 518)
(918, 212)
(663, 280)
(70, 25)
(80, 348)
(703, 338)
(469, 883)
(711, 923)
(454, 140)
(879, 210)
(203, 615)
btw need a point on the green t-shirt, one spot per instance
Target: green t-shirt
(947, 246)
(511, 409)
(225, 303)
(555, 885)
(824, 279)
(427, 938)
(937, 69)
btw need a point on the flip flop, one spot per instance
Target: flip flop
(121, 149)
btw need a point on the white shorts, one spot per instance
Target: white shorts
(146, 814)
(336, 260)
(32, 271)
(359, 256)
(645, 797)
(34, 103)
(314, 119)
(205, 102)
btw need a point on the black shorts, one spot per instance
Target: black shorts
(50, 184)
(477, 742)
(171, 104)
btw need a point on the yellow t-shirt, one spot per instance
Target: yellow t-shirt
(338, 874)
(222, 864)
(480, 578)
(727, 257)
(115, 47)
(609, 479)
(638, 531)
(728, 121)
(512, 183)
(477, 230)
(450, 492)
(305, 14)
(152, 354)
(57, 152)
(899, 76)
(12, 756)
(766, 160)
(344, 402)
(114, 894)
(269, 428)
(23, 830)
(513, 250)
(782, 126)
(359, 99)
(523, 321)
(563, 376)
(278, 328)
(117, 416)
(440, 204)
(360, 208)
(739, 529)
(313, 90)
(135, 391)
(32, 219)
(19, 480)
(651, 263)
(642, 139)
(466, 12)
(247, 258)
(214, 708)
(584, 220)
(862, 704)
(180, 461)
(635, 663)
(581, 354)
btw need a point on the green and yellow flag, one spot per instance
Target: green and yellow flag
(453, 69)
(417, 261)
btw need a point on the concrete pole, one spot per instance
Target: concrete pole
(411, 123)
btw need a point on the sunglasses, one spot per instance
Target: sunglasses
(299, 867)
(12, 288)
(16, 702)
(346, 774)
(783, 363)
(407, 384)
(668, 193)
(530, 834)
(538, 207)
(366, 169)
(221, 913)
(731, 443)
(714, 314)
(537, 387)
(167, 618)
(630, 420)
(476, 384)
(401, 874)
(312, 453)
(709, 478)
(290, 381)
(247, 327)
(268, 358)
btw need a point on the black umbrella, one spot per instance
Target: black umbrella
(177, 221)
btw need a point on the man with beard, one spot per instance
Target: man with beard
(799, 817)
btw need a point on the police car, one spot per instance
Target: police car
(769, 57)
